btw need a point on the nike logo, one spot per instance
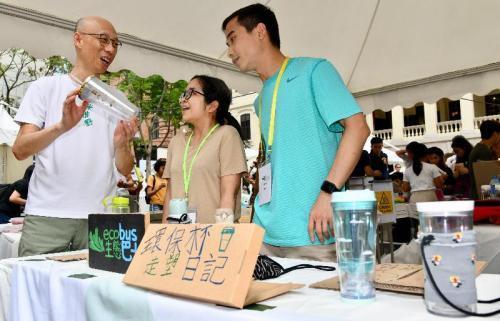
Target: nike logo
(290, 79)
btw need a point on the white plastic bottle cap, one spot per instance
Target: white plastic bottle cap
(354, 196)
(442, 208)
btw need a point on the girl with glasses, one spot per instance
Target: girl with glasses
(205, 163)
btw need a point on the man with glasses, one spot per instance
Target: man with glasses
(78, 151)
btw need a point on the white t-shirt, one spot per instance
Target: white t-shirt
(451, 161)
(76, 171)
(425, 180)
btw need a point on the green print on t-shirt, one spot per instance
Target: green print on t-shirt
(87, 121)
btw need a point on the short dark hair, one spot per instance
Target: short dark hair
(488, 128)
(376, 140)
(159, 163)
(250, 16)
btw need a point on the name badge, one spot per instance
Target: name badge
(192, 214)
(265, 183)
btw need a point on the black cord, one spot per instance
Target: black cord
(426, 240)
(308, 266)
(489, 301)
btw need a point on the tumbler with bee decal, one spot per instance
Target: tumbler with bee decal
(450, 256)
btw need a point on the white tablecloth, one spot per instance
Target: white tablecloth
(405, 210)
(9, 244)
(488, 246)
(487, 249)
(42, 290)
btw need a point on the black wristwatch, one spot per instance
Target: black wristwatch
(329, 187)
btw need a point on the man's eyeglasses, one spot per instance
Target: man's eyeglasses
(104, 39)
(188, 93)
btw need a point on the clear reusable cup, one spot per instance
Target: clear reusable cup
(355, 226)
(107, 98)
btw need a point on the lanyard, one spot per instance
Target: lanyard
(187, 175)
(270, 135)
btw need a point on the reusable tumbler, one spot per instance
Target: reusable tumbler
(450, 255)
(112, 101)
(117, 204)
(355, 226)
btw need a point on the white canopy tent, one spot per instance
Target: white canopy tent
(8, 127)
(10, 168)
(389, 52)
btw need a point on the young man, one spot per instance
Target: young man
(77, 149)
(490, 135)
(312, 144)
(378, 159)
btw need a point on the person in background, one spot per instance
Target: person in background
(378, 159)
(496, 149)
(421, 179)
(462, 148)
(363, 167)
(134, 187)
(435, 155)
(406, 154)
(156, 188)
(397, 169)
(13, 197)
(490, 136)
(397, 182)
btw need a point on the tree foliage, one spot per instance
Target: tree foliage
(158, 101)
(18, 68)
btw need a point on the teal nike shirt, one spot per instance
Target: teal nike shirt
(311, 101)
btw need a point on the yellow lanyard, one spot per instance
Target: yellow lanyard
(187, 174)
(270, 135)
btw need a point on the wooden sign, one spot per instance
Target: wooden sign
(114, 239)
(207, 262)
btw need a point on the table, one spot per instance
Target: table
(487, 249)
(55, 296)
(9, 242)
(405, 210)
(488, 246)
(487, 210)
